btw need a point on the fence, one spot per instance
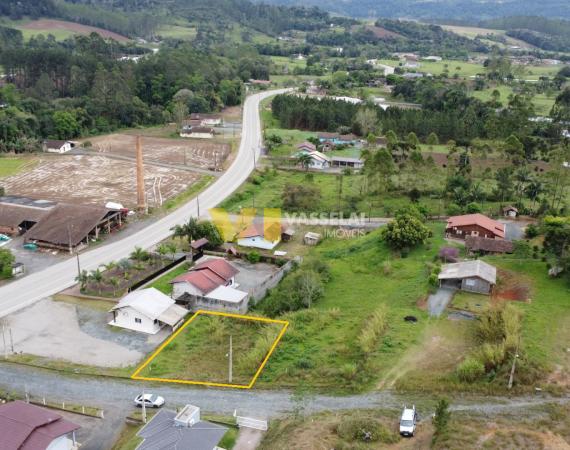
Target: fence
(259, 292)
(156, 274)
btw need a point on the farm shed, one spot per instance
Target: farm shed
(477, 244)
(67, 227)
(57, 146)
(510, 211)
(353, 163)
(19, 214)
(471, 276)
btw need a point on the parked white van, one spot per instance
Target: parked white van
(408, 421)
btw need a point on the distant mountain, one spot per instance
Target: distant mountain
(471, 10)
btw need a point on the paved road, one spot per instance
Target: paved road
(36, 286)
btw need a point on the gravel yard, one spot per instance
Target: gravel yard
(48, 328)
(96, 180)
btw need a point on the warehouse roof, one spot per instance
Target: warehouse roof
(469, 269)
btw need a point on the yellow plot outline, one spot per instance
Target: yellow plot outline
(135, 375)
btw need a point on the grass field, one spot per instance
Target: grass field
(199, 352)
(291, 138)
(542, 103)
(321, 346)
(542, 427)
(11, 166)
(186, 33)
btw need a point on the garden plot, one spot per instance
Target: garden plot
(96, 179)
(191, 152)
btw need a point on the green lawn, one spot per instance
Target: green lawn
(199, 352)
(291, 138)
(320, 348)
(542, 103)
(11, 166)
(163, 283)
(186, 33)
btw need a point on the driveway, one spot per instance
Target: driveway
(514, 230)
(438, 302)
(78, 334)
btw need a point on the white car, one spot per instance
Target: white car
(408, 421)
(150, 401)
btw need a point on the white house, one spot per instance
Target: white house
(318, 160)
(255, 236)
(57, 146)
(147, 311)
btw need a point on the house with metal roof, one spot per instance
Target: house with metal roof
(471, 276)
(258, 236)
(210, 285)
(147, 311)
(185, 430)
(28, 427)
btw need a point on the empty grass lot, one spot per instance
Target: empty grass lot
(199, 352)
(321, 347)
(12, 166)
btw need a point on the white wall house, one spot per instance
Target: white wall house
(254, 236)
(318, 160)
(147, 311)
(57, 146)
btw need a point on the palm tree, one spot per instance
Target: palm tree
(97, 277)
(82, 279)
(125, 265)
(139, 254)
(115, 283)
(171, 246)
(304, 160)
(189, 230)
(110, 266)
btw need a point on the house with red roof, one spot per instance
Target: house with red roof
(28, 427)
(258, 236)
(210, 285)
(478, 225)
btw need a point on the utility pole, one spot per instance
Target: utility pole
(231, 360)
(143, 408)
(198, 204)
(78, 265)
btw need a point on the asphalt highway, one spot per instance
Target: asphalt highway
(34, 287)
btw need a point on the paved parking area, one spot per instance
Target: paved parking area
(78, 334)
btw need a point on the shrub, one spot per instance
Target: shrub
(87, 144)
(253, 257)
(491, 355)
(433, 280)
(470, 370)
(364, 429)
(453, 209)
(348, 371)
(531, 231)
(473, 208)
(374, 327)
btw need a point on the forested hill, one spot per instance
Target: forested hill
(140, 17)
(439, 9)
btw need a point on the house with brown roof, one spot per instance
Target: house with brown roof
(210, 285)
(28, 427)
(459, 227)
(258, 236)
(307, 146)
(483, 246)
(19, 214)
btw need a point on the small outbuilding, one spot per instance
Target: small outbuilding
(472, 276)
(287, 234)
(510, 211)
(147, 311)
(312, 238)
